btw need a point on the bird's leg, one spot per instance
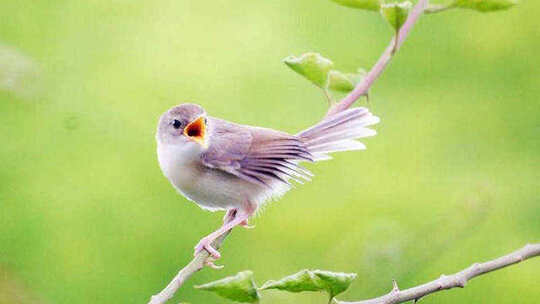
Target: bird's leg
(229, 216)
(205, 243)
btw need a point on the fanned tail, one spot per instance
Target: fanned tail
(338, 133)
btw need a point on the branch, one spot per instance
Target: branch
(198, 262)
(455, 280)
(201, 259)
(363, 87)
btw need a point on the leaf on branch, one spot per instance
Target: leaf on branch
(312, 66)
(344, 82)
(370, 5)
(484, 5)
(239, 288)
(338, 81)
(396, 13)
(333, 283)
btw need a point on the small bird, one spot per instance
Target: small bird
(221, 165)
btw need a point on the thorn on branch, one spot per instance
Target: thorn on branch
(440, 281)
(395, 287)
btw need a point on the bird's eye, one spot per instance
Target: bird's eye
(177, 124)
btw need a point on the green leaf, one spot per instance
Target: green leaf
(239, 288)
(370, 5)
(396, 13)
(484, 5)
(341, 82)
(338, 81)
(333, 283)
(312, 66)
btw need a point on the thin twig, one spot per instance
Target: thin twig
(198, 262)
(363, 87)
(458, 279)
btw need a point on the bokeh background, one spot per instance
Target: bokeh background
(87, 217)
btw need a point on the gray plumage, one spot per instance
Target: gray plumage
(234, 166)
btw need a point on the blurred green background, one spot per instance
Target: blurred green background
(87, 217)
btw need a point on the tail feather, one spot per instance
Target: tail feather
(337, 146)
(337, 133)
(320, 157)
(332, 136)
(336, 119)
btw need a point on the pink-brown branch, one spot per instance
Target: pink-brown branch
(363, 87)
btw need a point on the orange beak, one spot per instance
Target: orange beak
(196, 131)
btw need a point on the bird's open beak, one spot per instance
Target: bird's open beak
(196, 131)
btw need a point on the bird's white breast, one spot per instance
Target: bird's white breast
(211, 189)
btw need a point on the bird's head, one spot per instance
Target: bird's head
(185, 124)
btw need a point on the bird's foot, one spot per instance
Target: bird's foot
(210, 263)
(206, 244)
(232, 219)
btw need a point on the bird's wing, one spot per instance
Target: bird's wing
(258, 155)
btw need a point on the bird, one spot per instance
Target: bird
(225, 166)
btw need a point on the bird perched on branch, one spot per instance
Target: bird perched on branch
(221, 165)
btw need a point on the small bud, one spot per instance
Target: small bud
(312, 66)
(484, 5)
(338, 81)
(370, 5)
(396, 13)
(341, 82)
